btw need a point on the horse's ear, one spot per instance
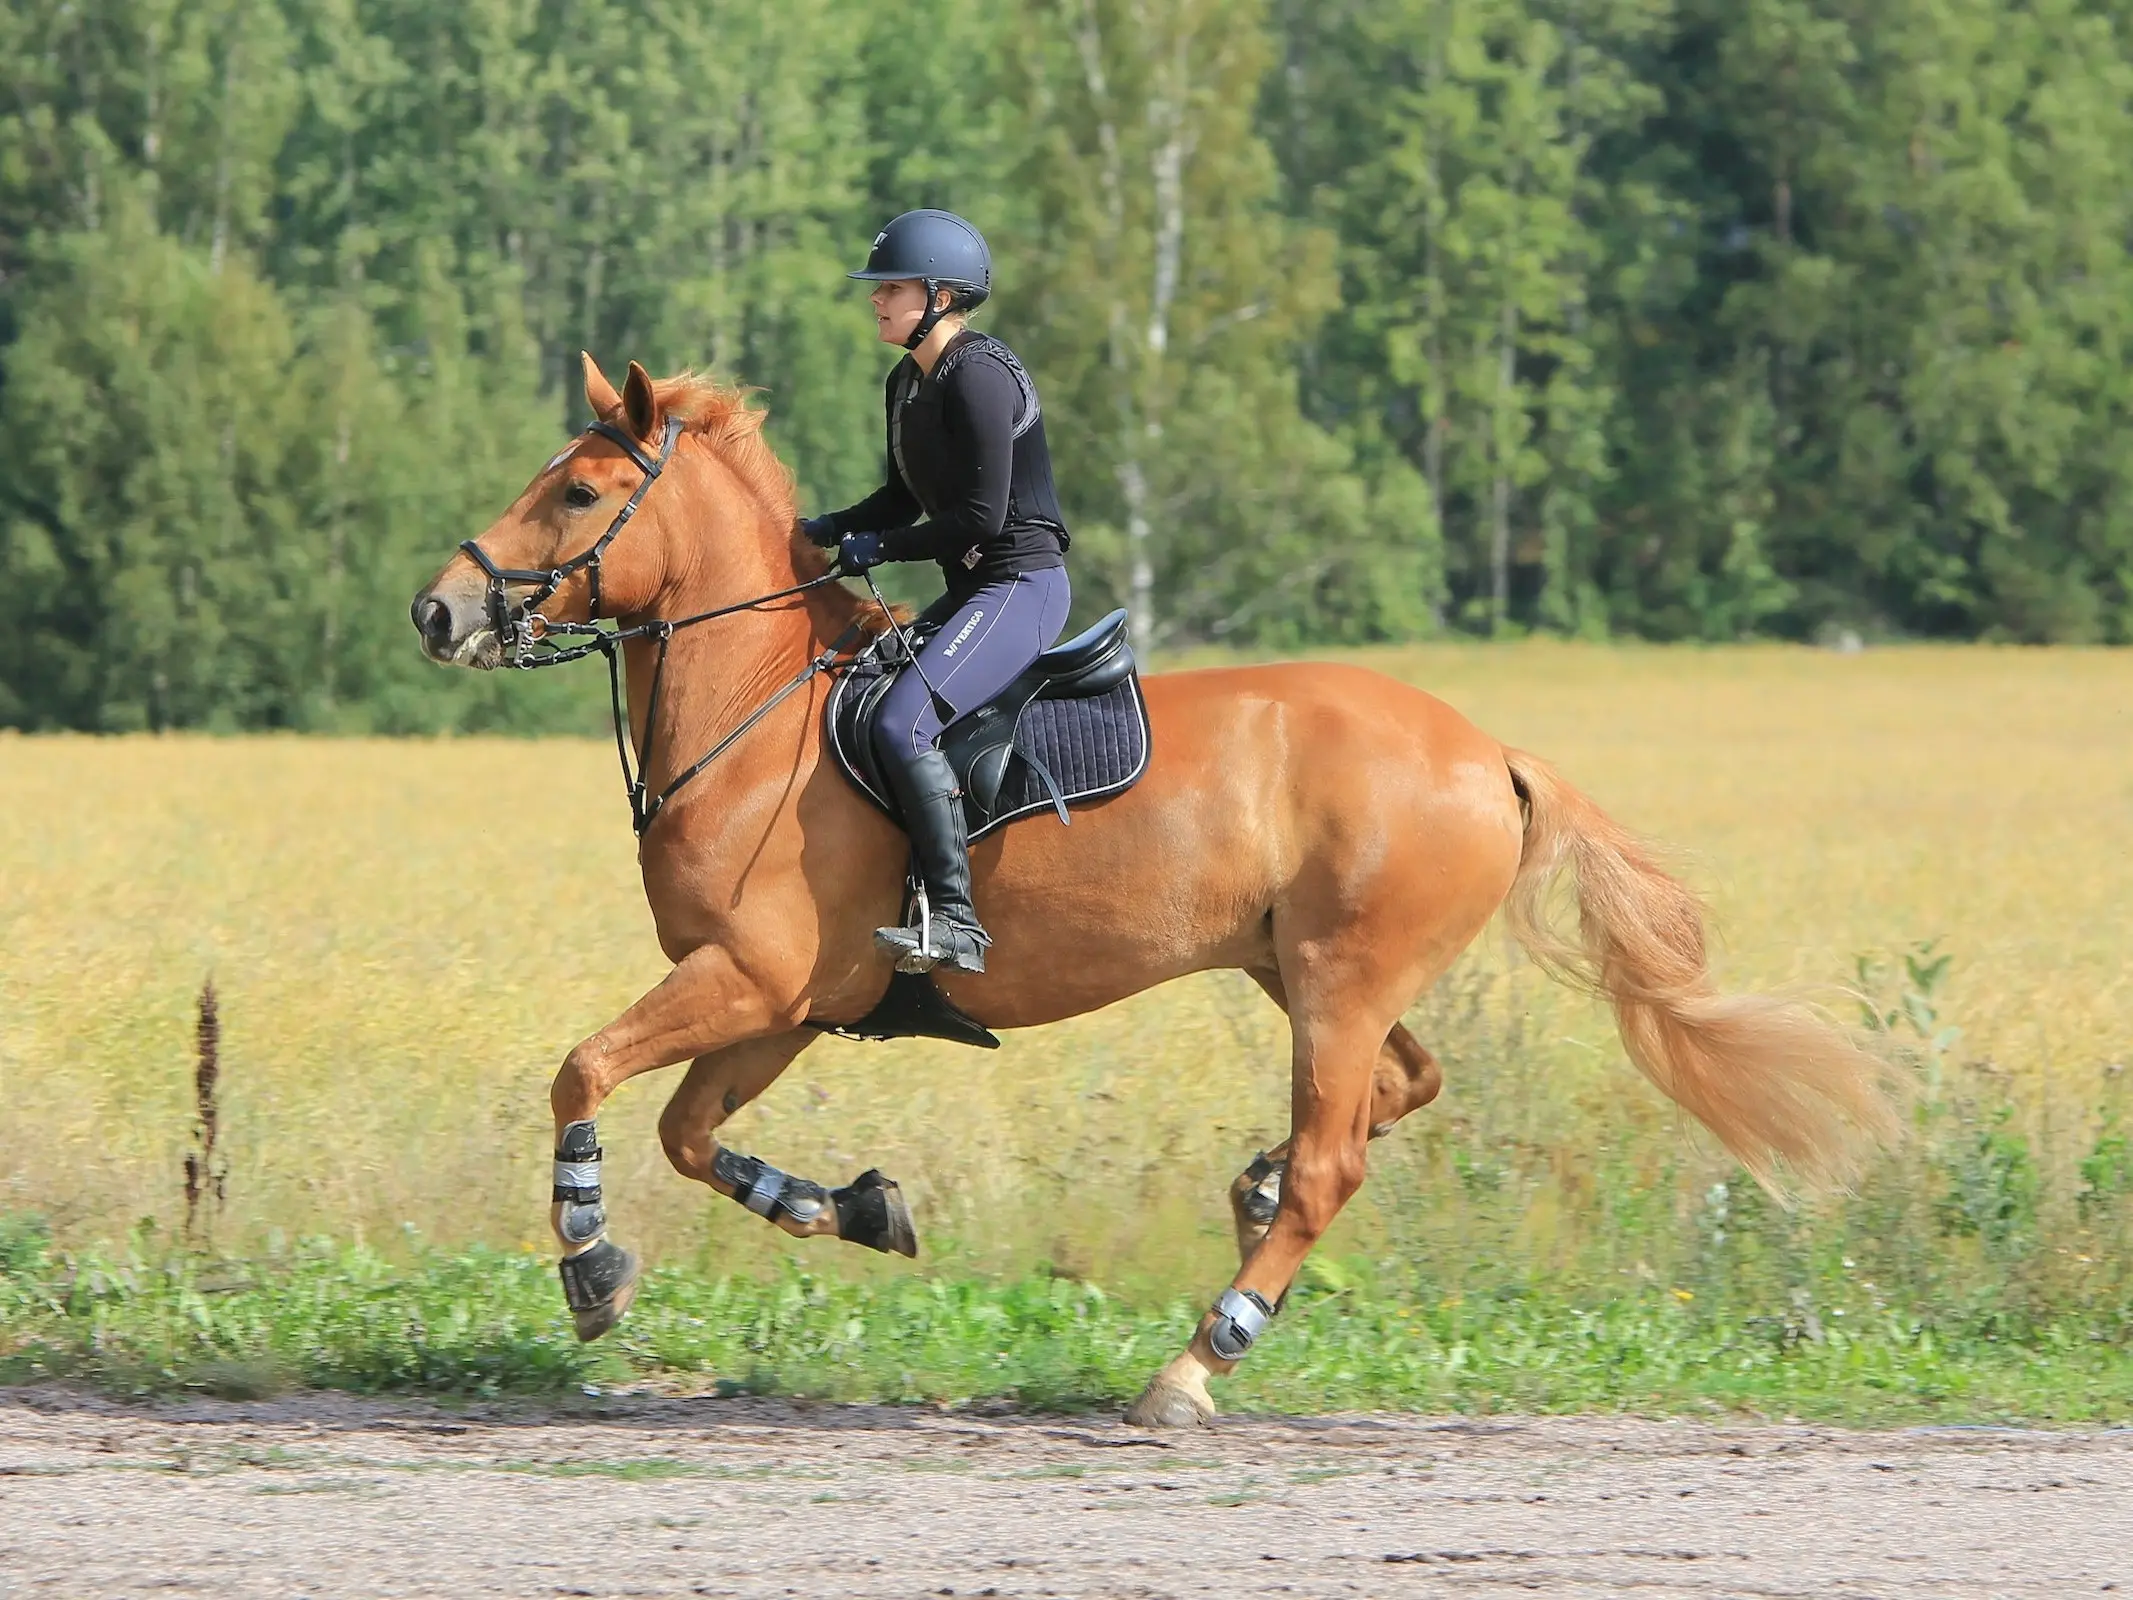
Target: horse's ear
(599, 393)
(640, 404)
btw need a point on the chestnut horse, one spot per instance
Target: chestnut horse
(1337, 835)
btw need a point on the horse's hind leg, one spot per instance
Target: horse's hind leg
(1406, 1079)
(869, 1210)
(1332, 1094)
(1348, 969)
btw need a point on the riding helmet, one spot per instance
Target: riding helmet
(936, 247)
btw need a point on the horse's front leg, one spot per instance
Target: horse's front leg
(869, 1210)
(706, 1003)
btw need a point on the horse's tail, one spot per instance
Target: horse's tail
(1784, 1088)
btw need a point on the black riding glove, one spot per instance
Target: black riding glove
(859, 552)
(819, 531)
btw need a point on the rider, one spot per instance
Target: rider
(966, 450)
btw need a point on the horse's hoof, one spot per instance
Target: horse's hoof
(898, 1235)
(871, 1212)
(591, 1324)
(598, 1286)
(1164, 1404)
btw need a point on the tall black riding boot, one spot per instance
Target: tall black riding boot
(933, 817)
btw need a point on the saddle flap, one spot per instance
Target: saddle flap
(984, 772)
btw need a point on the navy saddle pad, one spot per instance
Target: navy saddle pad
(1072, 728)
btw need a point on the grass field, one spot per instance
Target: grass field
(407, 936)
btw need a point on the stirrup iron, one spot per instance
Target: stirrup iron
(922, 910)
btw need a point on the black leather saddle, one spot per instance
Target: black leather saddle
(1072, 728)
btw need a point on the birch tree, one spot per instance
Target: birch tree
(1164, 296)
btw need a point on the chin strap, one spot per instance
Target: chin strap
(932, 318)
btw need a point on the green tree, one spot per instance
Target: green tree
(1163, 294)
(1896, 365)
(1466, 198)
(152, 545)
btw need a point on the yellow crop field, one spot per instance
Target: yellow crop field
(406, 937)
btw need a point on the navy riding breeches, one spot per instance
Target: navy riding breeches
(984, 643)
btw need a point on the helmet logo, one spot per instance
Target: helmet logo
(879, 237)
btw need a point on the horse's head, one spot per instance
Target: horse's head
(593, 533)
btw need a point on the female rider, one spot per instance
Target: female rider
(966, 450)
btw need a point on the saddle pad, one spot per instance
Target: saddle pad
(1093, 747)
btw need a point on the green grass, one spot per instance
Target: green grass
(487, 1323)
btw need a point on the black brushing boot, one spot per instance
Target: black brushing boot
(933, 817)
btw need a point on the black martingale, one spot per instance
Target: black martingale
(530, 639)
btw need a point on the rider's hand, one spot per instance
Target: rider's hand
(857, 552)
(817, 531)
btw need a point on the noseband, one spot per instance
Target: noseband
(531, 640)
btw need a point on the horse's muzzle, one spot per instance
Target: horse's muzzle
(454, 625)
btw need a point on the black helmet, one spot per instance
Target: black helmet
(935, 245)
(939, 249)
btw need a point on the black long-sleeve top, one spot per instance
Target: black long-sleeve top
(966, 449)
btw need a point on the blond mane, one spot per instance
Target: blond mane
(723, 418)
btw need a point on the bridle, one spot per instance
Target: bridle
(516, 632)
(529, 639)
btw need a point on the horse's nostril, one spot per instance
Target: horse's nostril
(432, 618)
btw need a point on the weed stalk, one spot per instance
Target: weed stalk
(206, 1175)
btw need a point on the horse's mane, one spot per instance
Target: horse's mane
(721, 416)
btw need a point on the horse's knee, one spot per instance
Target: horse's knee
(579, 1084)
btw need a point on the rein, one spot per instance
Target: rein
(529, 639)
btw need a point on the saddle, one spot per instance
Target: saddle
(1072, 729)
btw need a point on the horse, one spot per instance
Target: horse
(1337, 835)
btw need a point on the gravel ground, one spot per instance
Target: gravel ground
(323, 1495)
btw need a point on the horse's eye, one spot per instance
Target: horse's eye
(580, 495)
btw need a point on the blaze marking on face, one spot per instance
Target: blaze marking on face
(560, 457)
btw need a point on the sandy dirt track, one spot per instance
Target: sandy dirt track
(331, 1496)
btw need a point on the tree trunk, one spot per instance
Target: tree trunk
(1435, 422)
(1166, 112)
(1131, 476)
(219, 244)
(1501, 445)
(336, 556)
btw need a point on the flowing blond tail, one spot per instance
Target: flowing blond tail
(1784, 1088)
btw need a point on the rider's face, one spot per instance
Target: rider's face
(897, 307)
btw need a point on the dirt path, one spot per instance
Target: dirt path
(328, 1496)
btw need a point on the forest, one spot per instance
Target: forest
(1355, 320)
